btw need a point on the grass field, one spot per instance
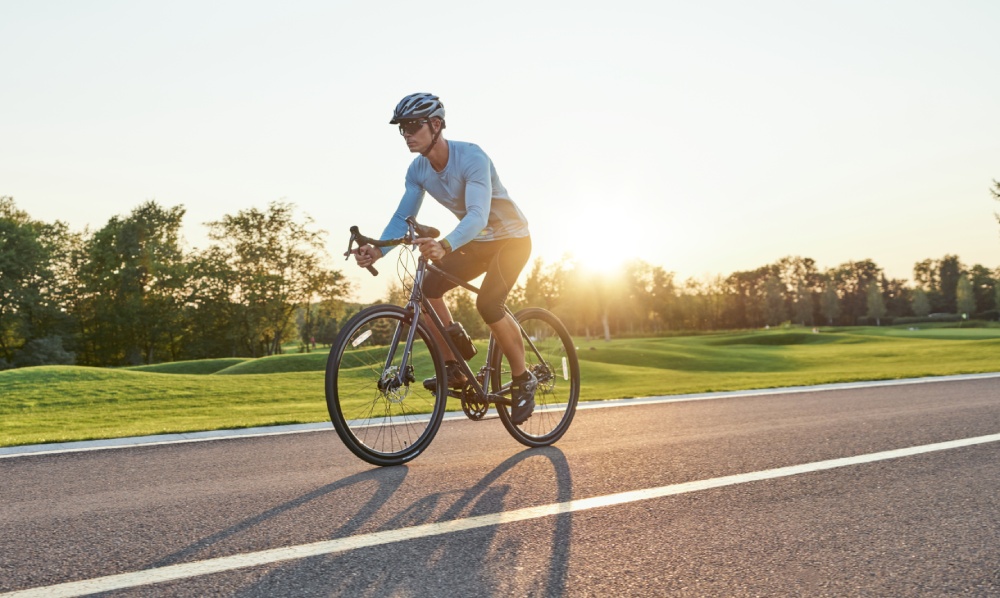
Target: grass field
(63, 403)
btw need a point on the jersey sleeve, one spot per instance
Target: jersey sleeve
(409, 205)
(478, 196)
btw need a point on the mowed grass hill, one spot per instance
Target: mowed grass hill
(64, 403)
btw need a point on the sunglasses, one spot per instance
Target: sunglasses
(411, 127)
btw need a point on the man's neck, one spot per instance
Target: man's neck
(438, 155)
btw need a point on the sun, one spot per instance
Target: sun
(600, 237)
(603, 259)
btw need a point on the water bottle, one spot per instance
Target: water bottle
(462, 340)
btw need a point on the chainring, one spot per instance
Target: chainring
(474, 408)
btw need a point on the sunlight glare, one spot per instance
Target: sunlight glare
(604, 235)
(599, 240)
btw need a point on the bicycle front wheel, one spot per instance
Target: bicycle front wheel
(551, 357)
(378, 404)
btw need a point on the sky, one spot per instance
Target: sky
(704, 137)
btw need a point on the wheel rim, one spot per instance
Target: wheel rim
(383, 417)
(558, 385)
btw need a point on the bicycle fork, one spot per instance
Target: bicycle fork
(392, 377)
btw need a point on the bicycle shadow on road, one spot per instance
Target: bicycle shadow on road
(387, 480)
(477, 562)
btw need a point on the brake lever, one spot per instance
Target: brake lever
(350, 244)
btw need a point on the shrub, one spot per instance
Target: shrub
(883, 321)
(927, 319)
(44, 351)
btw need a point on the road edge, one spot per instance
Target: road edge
(212, 435)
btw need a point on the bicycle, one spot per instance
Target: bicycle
(386, 417)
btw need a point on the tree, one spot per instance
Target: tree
(920, 304)
(637, 306)
(875, 302)
(747, 292)
(663, 296)
(983, 287)
(397, 294)
(925, 275)
(803, 307)
(543, 287)
(21, 259)
(133, 282)
(650, 295)
(830, 302)
(315, 319)
(584, 301)
(950, 270)
(800, 279)
(996, 293)
(211, 311)
(852, 279)
(774, 301)
(896, 294)
(965, 299)
(276, 265)
(35, 280)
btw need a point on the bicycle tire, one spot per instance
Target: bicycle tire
(384, 425)
(556, 365)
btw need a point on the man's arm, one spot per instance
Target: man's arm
(408, 206)
(478, 198)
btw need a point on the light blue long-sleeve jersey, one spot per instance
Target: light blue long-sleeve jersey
(470, 188)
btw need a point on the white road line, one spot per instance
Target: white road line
(212, 435)
(267, 557)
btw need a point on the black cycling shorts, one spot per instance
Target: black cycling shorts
(502, 261)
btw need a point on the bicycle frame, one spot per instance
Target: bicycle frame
(375, 401)
(417, 305)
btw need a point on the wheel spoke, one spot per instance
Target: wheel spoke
(548, 355)
(381, 420)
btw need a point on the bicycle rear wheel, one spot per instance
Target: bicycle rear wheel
(382, 412)
(551, 356)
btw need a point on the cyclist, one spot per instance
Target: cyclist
(491, 236)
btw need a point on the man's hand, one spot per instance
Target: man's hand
(366, 255)
(430, 248)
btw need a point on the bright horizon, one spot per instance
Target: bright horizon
(719, 136)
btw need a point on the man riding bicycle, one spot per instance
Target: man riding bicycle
(491, 237)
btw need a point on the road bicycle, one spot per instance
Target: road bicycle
(374, 391)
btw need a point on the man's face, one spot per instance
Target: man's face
(417, 133)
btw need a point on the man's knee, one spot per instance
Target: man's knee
(490, 309)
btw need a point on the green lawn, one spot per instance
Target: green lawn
(63, 403)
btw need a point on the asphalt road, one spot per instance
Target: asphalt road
(644, 500)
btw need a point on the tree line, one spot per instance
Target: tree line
(647, 299)
(129, 293)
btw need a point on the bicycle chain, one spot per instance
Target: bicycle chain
(474, 409)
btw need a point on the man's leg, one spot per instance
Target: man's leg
(508, 335)
(523, 382)
(509, 259)
(444, 314)
(456, 379)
